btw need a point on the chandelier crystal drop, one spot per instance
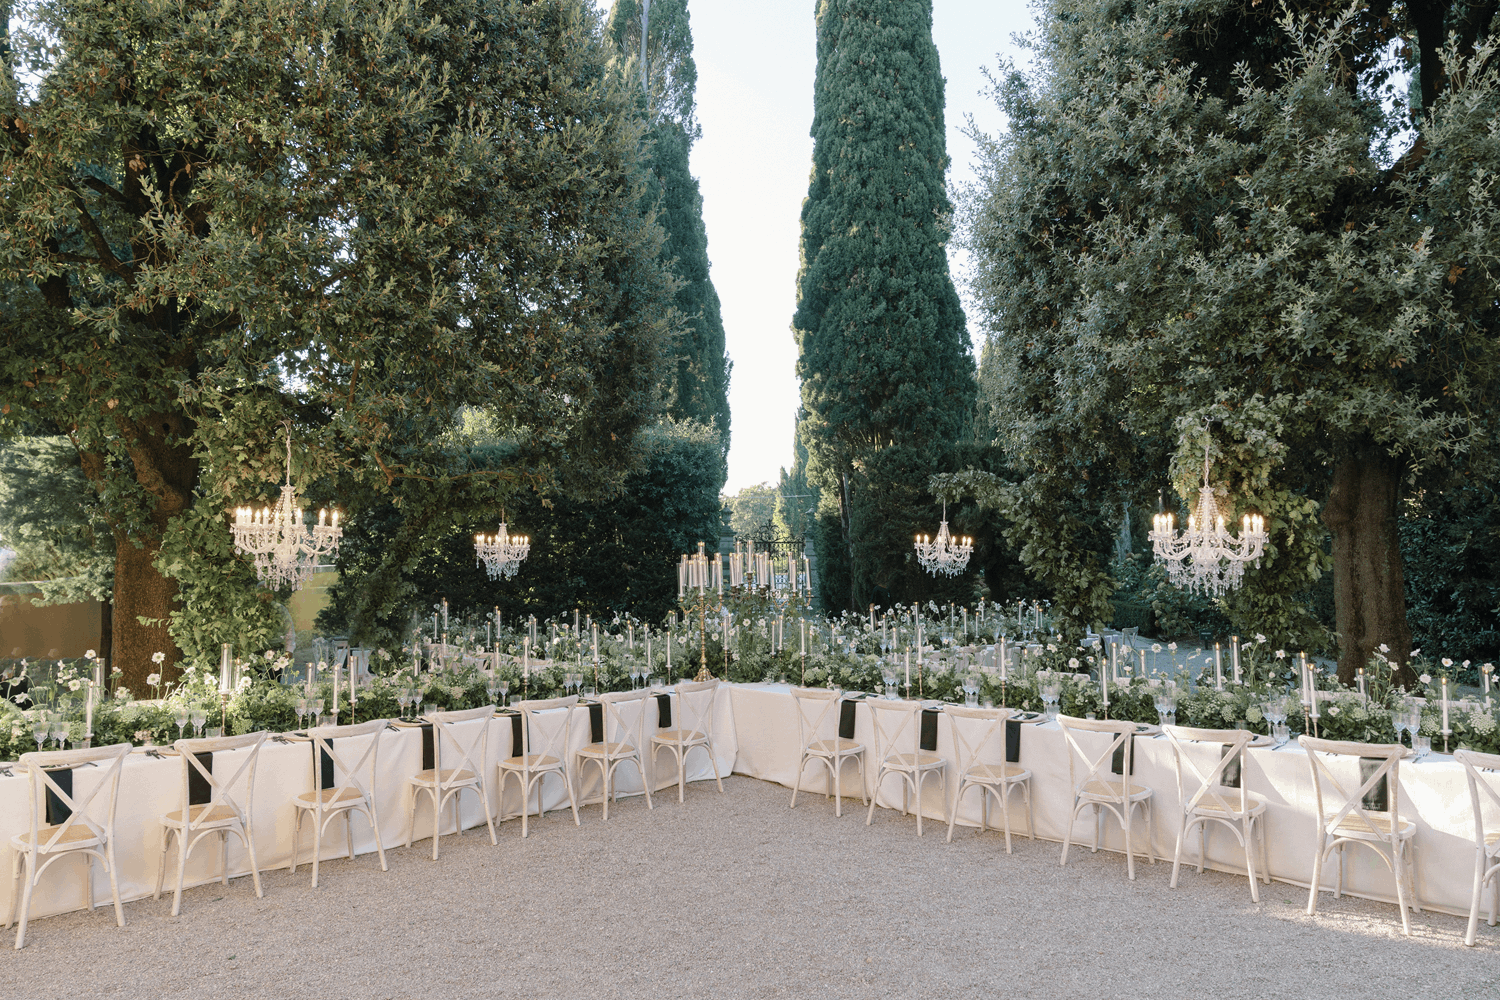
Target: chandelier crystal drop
(286, 550)
(1206, 557)
(944, 554)
(501, 553)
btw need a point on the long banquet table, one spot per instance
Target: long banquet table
(756, 734)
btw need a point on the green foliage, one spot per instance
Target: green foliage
(1451, 544)
(59, 537)
(208, 230)
(1192, 226)
(606, 556)
(882, 347)
(796, 498)
(751, 510)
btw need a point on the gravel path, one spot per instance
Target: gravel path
(736, 896)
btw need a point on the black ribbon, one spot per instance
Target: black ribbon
(929, 728)
(58, 811)
(596, 722)
(664, 711)
(1012, 740)
(1375, 799)
(429, 758)
(200, 791)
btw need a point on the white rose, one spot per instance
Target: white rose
(89, 654)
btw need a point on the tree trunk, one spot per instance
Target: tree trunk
(1369, 597)
(164, 466)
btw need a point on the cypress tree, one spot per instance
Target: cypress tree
(699, 388)
(887, 378)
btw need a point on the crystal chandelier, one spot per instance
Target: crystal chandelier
(285, 550)
(944, 554)
(501, 553)
(1206, 557)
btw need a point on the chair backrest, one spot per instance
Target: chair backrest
(814, 707)
(973, 729)
(619, 709)
(1084, 768)
(555, 732)
(1484, 783)
(891, 722)
(695, 702)
(222, 790)
(361, 774)
(37, 763)
(1210, 785)
(1389, 757)
(470, 753)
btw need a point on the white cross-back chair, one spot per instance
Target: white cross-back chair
(457, 764)
(1344, 819)
(816, 715)
(80, 833)
(624, 734)
(553, 718)
(1096, 786)
(974, 737)
(897, 732)
(1206, 799)
(222, 815)
(353, 791)
(1484, 784)
(695, 728)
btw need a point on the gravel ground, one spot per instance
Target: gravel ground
(737, 896)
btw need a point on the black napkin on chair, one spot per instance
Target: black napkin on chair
(596, 722)
(664, 711)
(325, 770)
(1375, 799)
(200, 792)
(1230, 777)
(1117, 764)
(58, 810)
(516, 745)
(429, 758)
(1012, 741)
(929, 728)
(846, 716)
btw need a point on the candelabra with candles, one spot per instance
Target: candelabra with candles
(944, 554)
(1206, 557)
(285, 549)
(693, 572)
(501, 553)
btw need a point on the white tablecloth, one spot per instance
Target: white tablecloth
(151, 787)
(756, 734)
(1434, 793)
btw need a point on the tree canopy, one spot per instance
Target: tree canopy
(1221, 225)
(360, 216)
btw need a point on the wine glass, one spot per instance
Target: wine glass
(646, 675)
(504, 692)
(888, 678)
(416, 702)
(403, 698)
(492, 688)
(199, 717)
(317, 710)
(40, 730)
(1398, 722)
(181, 719)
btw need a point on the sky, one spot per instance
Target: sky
(756, 60)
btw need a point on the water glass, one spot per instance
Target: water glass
(199, 717)
(1422, 745)
(1281, 733)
